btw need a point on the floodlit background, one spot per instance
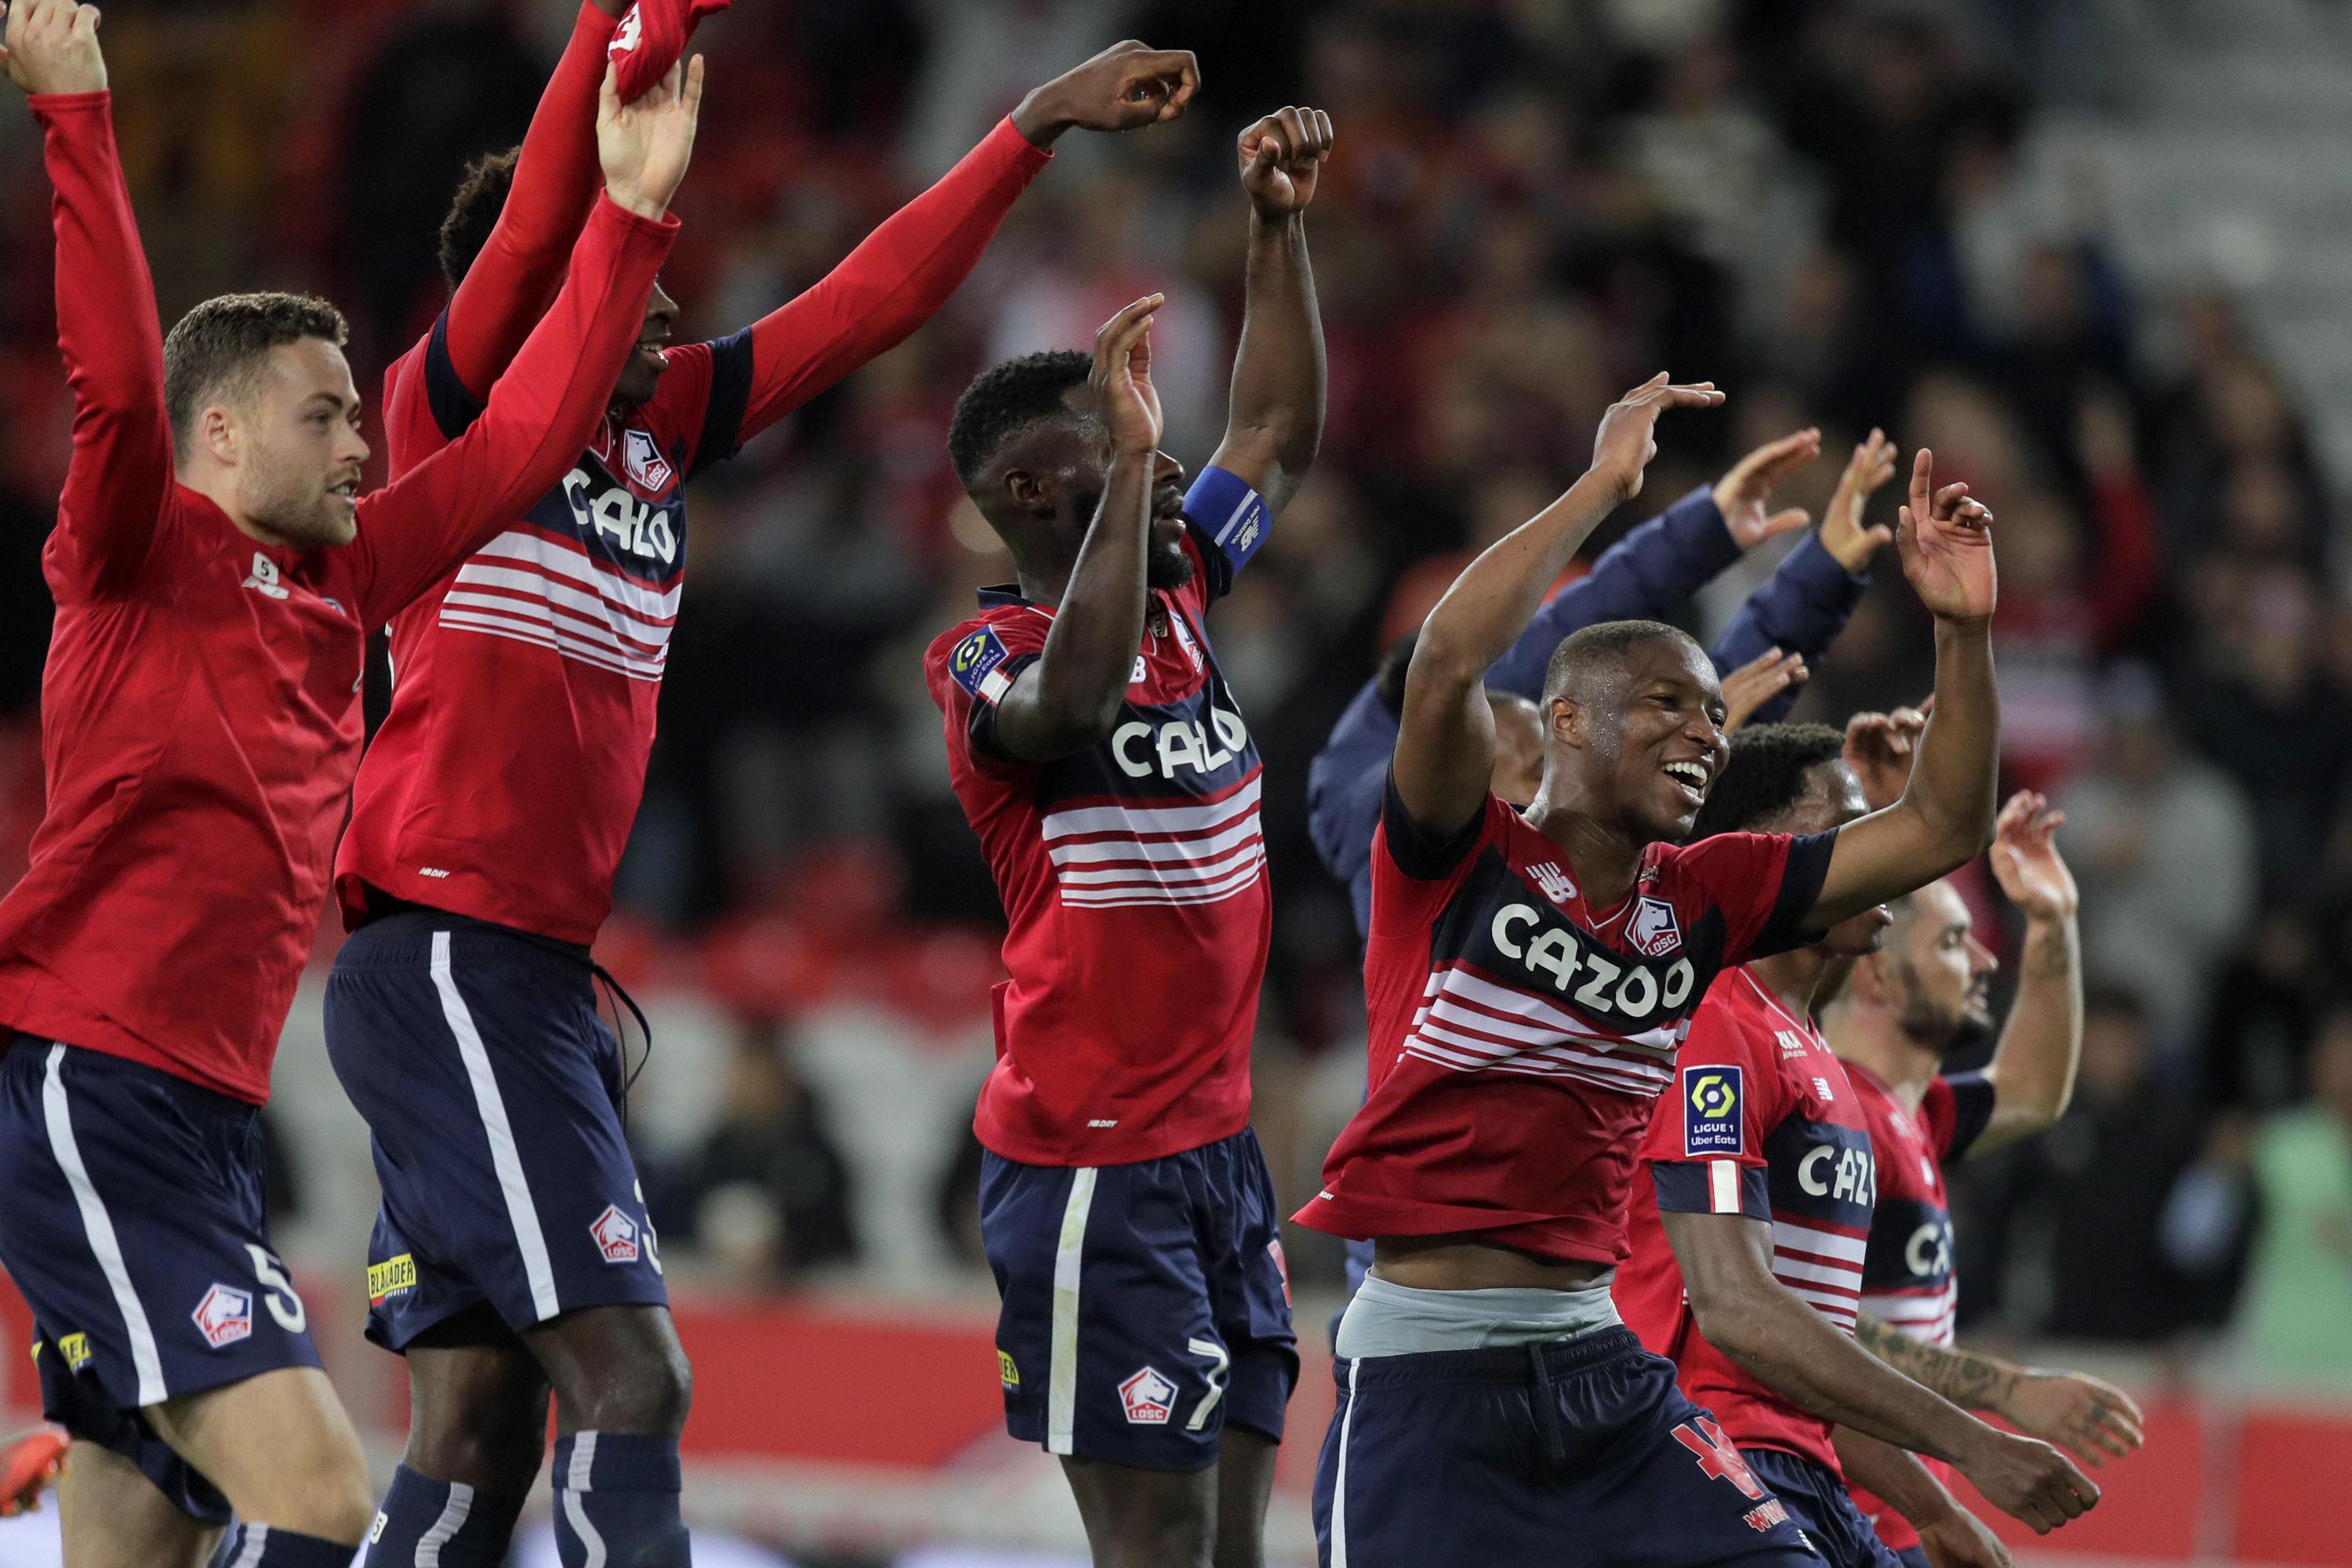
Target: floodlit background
(2092, 251)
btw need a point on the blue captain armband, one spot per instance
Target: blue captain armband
(1229, 515)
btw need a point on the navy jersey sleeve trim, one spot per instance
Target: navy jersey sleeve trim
(1416, 854)
(731, 393)
(1801, 875)
(1972, 1101)
(1685, 1186)
(981, 728)
(455, 408)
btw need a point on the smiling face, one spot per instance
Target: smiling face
(1641, 731)
(297, 448)
(641, 375)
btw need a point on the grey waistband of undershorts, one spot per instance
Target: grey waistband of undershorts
(1396, 1320)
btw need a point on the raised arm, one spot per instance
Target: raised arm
(545, 409)
(1944, 817)
(1752, 1318)
(108, 332)
(556, 179)
(1445, 740)
(1953, 1537)
(1068, 699)
(2092, 1418)
(1276, 422)
(901, 274)
(2032, 1068)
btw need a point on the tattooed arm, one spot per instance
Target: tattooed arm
(2092, 1418)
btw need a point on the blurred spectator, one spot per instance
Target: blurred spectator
(2162, 844)
(2299, 1292)
(766, 1198)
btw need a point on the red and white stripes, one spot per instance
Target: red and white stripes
(534, 589)
(1470, 1024)
(1821, 1266)
(1114, 855)
(1926, 1315)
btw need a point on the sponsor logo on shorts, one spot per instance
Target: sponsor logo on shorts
(390, 1278)
(1007, 1371)
(1281, 1266)
(75, 1348)
(616, 1234)
(1148, 1398)
(1710, 1112)
(224, 1316)
(1765, 1515)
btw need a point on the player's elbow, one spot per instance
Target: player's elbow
(1725, 1316)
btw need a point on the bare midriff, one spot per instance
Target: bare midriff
(1466, 1262)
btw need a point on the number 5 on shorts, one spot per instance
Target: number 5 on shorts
(277, 1291)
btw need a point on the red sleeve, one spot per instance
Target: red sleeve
(889, 285)
(540, 414)
(1414, 877)
(972, 669)
(119, 477)
(1765, 884)
(1956, 1108)
(1706, 1141)
(555, 183)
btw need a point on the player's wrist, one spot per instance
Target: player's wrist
(639, 203)
(1042, 116)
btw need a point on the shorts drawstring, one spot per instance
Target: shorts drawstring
(1547, 1404)
(620, 1035)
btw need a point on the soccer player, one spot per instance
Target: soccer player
(512, 1254)
(1901, 1013)
(1530, 976)
(1127, 1211)
(1763, 1176)
(216, 573)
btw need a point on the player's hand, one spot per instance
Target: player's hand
(1122, 378)
(1880, 748)
(1127, 85)
(1627, 439)
(1842, 534)
(1281, 157)
(645, 146)
(1740, 494)
(2026, 863)
(2028, 1480)
(1961, 1540)
(1759, 681)
(51, 46)
(2096, 1420)
(650, 37)
(1945, 540)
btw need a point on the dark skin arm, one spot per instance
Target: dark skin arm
(1944, 817)
(1126, 85)
(1952, 1536)
(1445, 735)
(2091, 1417)
(1276, 422)
(1750, 1316)
(1068, 699)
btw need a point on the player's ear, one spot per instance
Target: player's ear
(218, 433)
(1031, 493)
(1565, 719)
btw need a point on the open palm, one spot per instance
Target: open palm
(1946, 541)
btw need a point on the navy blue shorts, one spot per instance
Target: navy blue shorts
(133, 1225)
(1145, 1306)
(1818, 1501)
(1576, 1451)
(492, 1094)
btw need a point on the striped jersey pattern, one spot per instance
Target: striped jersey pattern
(1469, 1024)
(1113, 856)
(551, 592)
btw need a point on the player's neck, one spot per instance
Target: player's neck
(1862, 1032)
(1602, 857)
(218, 486)
(1792, 977)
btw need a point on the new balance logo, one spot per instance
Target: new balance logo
(1552, 882)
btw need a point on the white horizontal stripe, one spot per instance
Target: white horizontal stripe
(1210, 893)
(596, 632)
(1827, 1302)
(539, 585)
(1836, 1274)
(1788, 1237)
(1616, 1067)
(610, 655)
(1174, 849)
(1163, 876)
(1428, 1051)
(1240, 508)
(1152, 818)
(580, 566)
(1900, 1309)
(1657, 1042)
(1453, 1011)
(519, 631)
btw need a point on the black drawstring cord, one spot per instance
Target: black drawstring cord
(620, 997)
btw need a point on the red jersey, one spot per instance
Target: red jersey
(1762, 1122)
(1133, 877)
(508, 770)
(1907, 1281)
(1519, 1037)
(199, 709)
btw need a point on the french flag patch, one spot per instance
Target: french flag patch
(974, 666)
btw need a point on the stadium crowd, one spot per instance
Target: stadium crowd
(1818, 205)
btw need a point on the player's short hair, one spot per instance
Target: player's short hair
(1765, 777)
(222, 344)
(473, 212)
(1007, 398)
(1395, 664)
(1581, 652)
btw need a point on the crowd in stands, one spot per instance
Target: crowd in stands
(1820, 204)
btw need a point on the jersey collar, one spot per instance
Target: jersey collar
(996, 595)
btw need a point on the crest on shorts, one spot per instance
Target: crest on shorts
(1655, 933)
(224, 1316)
(615, 1233)
(1148, 1398)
